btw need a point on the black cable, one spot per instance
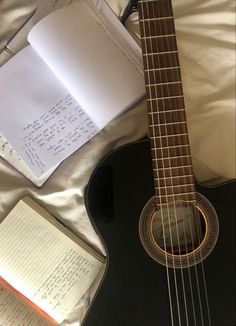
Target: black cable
(131, 7)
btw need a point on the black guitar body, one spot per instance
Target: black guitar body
(134, 291)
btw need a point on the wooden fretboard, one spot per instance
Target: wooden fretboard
(172, 164)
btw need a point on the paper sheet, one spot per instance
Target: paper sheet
(42, 263)
(42, 121)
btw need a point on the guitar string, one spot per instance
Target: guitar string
(191, 229)
(179, 116)
(162, 155)
(188, 267)
(197, 214)
(142, 4)
(164, 31)
(203, 272)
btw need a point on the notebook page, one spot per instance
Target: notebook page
(43, 264)
(11, 156)
(42, 121)
(95, 70)
(14, 311)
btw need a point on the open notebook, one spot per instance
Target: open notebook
(45, 270)
(80, 71)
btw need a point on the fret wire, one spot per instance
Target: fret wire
(164, 68)
(177, 194)
(176, 186)
(169, 157)
(166, 111)
(167, 124)
(170, 147)
(153, 19)
(172, 135)
(158, 36)
(165, 97)
(173, 167)
(161, 201)
(175, 177)
(157, 53)
(166, 83)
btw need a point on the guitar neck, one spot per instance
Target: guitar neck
(172, 164)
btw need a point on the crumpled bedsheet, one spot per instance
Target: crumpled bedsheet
(206, 36)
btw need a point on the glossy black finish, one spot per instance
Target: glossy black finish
(134, 291)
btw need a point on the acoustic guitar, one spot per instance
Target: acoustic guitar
(170, 242)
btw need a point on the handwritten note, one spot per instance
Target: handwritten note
(56, 134)
(45, 265)
(39, 119)
(65, 281)
(14, 311)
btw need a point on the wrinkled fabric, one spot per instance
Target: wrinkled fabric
(206, 36)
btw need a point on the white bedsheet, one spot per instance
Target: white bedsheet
(205, 32)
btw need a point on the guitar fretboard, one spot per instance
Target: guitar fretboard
(172, 164)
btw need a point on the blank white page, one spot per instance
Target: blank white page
(83, 54)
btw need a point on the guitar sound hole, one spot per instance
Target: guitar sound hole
(178, 229)
(180, 235)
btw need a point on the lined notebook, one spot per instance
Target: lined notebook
(80, 71)
(45, 270)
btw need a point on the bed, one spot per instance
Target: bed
(206, 35)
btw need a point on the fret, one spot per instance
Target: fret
(170, 172)
(163, 199)
(157, 142)
(162, 76)
(179, 194)
(155, 18)
(165, 91)
(173, 167)
(169, 163)
(175, 177)
(174, 181)
(174, 135)
(165, 97)
(165, 104)
(162, 117)
(157, 36)
(157, 27)
(168, 130)
(168, 83)
(175, 191)
(166, 112)
(153, 9)
(159, 43)
(161, 52)
(170, 153)
(159, 146)
(164, 68)
(167, 124)
(161, 159)
(169, 147)
(161, 60)
(176, 186)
